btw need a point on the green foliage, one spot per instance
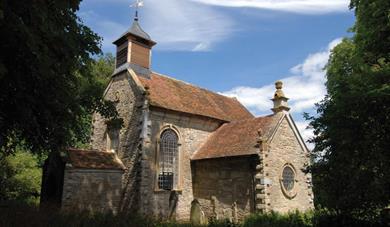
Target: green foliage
(317, 218)
(326, 218)
(372, 29)
(352, 135)
(14, 214)
(222, 223)
(20, 177)
(22, 215)
(92, 88)
(273, 219)
(47, 87)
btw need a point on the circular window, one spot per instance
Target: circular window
(288, 178)
(287, 181)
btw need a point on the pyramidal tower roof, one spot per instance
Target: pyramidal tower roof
(137, 31)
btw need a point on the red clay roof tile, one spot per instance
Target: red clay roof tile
(237, 138)
(94, 159)
(179, 96)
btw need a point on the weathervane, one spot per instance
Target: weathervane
(136, 5)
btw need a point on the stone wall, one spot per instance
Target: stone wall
(138, 149)
(129, 98)
(193, 132)
(285, 148)
(92, 190)
(224, 187)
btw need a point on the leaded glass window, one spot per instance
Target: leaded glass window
(168, 160)
(288, 178)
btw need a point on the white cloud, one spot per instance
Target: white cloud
(296, 6)
(185, 25)
(203, 46)
(306, 133)
(193, 25)
(304, 88)
(175, 24)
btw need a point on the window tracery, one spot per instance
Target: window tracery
(168, 160)
(288, 179)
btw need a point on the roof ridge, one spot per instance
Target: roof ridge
(252, 119)
(217, 94)
(171, 93)
(197, 86)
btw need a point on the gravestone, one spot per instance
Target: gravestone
(234, 213)
(197, 215)
(214, 204)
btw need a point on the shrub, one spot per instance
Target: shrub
(16, 214)
(325, 218)
(222, 223)
(317, 218)
(20, 177)
(273, 219)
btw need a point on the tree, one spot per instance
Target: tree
(46, 87)
(352, 128)
(20, 177)
(92, 88)
(20, 172)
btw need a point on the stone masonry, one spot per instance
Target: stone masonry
(242, 185)
(284, 148)
(225, 187)
(192, 132)
(129, 98)
(92, 190)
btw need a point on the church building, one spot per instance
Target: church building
(183, 152)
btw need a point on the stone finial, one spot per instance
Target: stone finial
(279, 92)
(279, 99)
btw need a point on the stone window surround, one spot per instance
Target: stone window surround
(290, 194)
(112, 139)
(178, 186)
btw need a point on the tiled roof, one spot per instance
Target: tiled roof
(136, 30)
(179, 96)
(94, 159)
(237, 138)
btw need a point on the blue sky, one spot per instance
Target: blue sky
(236, 47)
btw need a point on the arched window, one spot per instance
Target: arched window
(168, 160)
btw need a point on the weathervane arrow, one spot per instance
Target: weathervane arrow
(136, 5)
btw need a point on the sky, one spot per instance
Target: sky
(238, 48)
